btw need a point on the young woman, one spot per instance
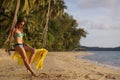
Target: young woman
(21, 46)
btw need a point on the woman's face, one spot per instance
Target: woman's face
(21, 24)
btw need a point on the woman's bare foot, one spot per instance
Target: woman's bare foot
(34, 75)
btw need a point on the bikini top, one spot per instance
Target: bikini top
(18, 35)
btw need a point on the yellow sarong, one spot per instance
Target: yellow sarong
(38, 59)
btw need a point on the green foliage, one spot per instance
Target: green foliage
(63, 34)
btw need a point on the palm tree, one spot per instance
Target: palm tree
(46, 25)
(14, 19)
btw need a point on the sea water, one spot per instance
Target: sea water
(107, 58)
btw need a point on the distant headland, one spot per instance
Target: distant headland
(85, 48)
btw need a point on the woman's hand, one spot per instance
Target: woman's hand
(8, 48)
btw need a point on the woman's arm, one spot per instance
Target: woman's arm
(11, 35)
(9, 41)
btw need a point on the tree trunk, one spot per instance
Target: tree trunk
(14, 19)
(46, 26)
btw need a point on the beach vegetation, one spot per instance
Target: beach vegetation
(63, 33)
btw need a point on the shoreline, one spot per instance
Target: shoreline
(57, 66)
(97, 62)
(101, 64)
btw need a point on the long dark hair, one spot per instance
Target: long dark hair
(20, 20)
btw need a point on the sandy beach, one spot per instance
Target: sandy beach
(57, 66)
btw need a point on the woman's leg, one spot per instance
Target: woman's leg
(24, 57)
(31, 50)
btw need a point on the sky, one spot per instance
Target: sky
(99, 18)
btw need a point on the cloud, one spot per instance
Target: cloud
(97, 26)
(100, 26)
